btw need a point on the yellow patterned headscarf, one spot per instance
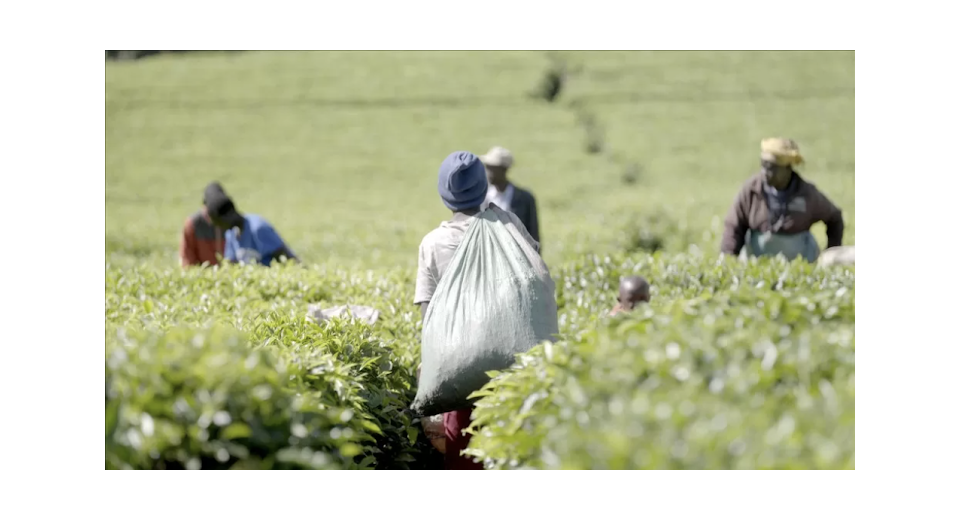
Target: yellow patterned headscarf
(781, 151)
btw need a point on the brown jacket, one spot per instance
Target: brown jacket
(806, 207)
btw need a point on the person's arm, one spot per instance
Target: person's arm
(188, 245)
(832, 217)
(284, 251)
(522, 229)
(271, 243)
(534, 222)
(229, 248)
(735, 224)
(426, 280)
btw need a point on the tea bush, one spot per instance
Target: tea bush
(344, 381)
(733, 365)
(587, 287)
(373, 378)
(191, 400)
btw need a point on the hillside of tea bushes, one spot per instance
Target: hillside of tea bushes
(339, 150)
(221, 368)
(750, 367)
(633, 166)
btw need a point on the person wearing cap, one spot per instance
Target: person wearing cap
(201, 241)
(462, 183)
(775, 209)
(248, 238)
(506, 195)
(633, 290)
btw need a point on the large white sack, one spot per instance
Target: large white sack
(495, 300)
(840, 255)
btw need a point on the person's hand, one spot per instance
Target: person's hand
(434, 430)
(617, 309)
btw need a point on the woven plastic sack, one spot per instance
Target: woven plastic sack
(495, 300)
(368, 315)
(839, 255)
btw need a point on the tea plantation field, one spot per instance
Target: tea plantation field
(733, 365)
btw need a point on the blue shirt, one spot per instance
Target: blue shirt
(257, 243)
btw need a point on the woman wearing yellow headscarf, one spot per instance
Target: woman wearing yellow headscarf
(776, 208)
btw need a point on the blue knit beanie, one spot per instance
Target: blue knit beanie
(462, 182)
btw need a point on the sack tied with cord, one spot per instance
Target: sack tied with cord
(496, 300)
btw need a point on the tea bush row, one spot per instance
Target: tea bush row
(734, 365)
(221, 369)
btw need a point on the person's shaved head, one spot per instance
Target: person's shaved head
(633, 289)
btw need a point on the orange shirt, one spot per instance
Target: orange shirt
(200, 241)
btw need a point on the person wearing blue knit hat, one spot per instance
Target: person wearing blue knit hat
(462, 184)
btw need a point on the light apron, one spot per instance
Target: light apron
(771, 244)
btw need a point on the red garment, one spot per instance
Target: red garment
(453, 425)
(200, 241)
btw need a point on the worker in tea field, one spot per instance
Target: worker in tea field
(247, 238)
(506, 195)
(201, 241)
(633, 290)
(463, 186)
(775, 209)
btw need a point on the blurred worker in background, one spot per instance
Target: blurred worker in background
(508, 196)
(201, 241)
(247, 238)
(633, 290)
(775, 209)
